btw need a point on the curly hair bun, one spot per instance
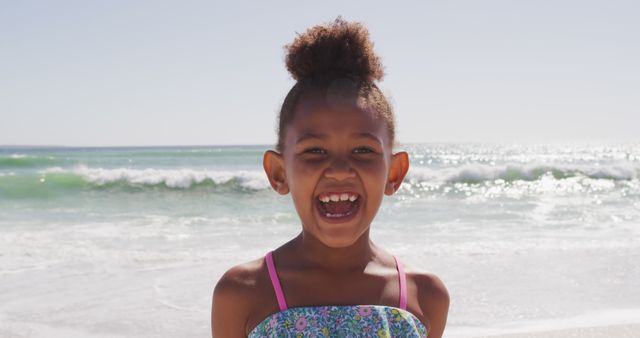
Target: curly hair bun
(338, 49)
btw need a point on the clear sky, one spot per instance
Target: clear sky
(108, 73)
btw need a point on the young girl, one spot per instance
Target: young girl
(334, 156)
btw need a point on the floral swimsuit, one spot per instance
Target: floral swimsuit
(339, 321)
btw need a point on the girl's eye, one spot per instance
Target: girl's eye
(314, 151)
(362, 150)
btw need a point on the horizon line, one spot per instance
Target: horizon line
(497, 142)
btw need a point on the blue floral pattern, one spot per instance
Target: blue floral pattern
(341, 321)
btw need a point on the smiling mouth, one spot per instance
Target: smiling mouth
(338, 207)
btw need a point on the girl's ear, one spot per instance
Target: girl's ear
(273, 164)
(397, 171)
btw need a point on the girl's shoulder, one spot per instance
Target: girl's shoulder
(432, 299)
(239, 279)
(241, 291)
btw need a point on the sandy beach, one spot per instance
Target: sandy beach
(617, 331)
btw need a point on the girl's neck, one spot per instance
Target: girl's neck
(313, 254)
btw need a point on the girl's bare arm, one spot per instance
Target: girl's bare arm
(230, 308)
(434, 301)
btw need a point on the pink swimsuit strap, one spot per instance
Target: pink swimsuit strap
(282, 303)
(275, 282)
(403, 284)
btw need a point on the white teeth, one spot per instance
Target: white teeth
(338, 197)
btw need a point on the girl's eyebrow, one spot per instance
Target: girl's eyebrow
(306, 136)
(367, 136)
(309, 135)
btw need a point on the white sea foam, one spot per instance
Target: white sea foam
(173, 178)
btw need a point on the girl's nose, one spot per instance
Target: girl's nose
(339, 170)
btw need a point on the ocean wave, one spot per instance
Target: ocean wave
(174, 178)
(471, 180)
(479, 173)
(171, 178)
(56, 180)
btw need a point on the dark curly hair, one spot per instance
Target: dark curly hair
(336, 59)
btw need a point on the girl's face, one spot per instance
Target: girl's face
(337, 164)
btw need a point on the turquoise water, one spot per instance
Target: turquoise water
(127, 241)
